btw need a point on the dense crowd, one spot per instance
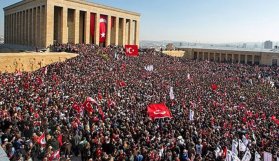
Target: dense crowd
(52, 102)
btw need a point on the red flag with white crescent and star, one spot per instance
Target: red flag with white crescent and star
(131, 50)
(156, 111)
(103, 28)
(42, 139)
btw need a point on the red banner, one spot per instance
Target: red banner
(156, 111)
(131, 50)
(103, 28)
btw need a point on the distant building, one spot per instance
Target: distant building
(170, 46)
(244, 45)
(268, 44)
(236, 55)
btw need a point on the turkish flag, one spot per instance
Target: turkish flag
(55, 155)
(59, 139)
(76, 107)
(131, 50)
(87, 106)
(214, 87)
(42, 139)
(103, 28)
(122, 84)
(274, 119)
(158, 111)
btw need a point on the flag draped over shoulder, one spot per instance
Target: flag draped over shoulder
(156, 111)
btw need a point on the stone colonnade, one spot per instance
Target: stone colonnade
(25, 27)
(43, 22)
(229, 57)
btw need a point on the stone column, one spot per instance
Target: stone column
(116, 30)
(214, 55)
(131, 32)
(32, 27)
(35, 26)
(245, 58)
(253, 59)
(232, 57)
(16, 28)
(28, 20)
(124, 32)
(22, 28)
(202, 55)
(87, 27)
(137, 32)
(97, 29)
(19, 27)
(49, 24)
(77, 26)
(239, 58)
(108, 30)
(65, 25)
(226, 56)
(40, 36)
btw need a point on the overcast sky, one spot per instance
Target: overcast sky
(213, 21)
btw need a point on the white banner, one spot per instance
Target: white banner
(257, 156)
(149, 68)
(188, 76)
(171, 93)
(229, 156)
(191, 115)
(234, 147)
(267, 156)
(235, 157)
(242, 147)
(247, 156)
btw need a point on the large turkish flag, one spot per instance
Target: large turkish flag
(131, 50)
(103, 28)
(156, 111)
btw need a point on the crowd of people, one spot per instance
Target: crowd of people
(94, 107)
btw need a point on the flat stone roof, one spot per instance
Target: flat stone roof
(81, 2)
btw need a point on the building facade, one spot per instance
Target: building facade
(233, 56)
(268, 44)
(40, 23)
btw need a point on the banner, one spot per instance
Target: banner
(171, 93)
(267, 156)
(149, 68)
(131, 50)
(229, 156)
(156, 111)
(103, 28)
(234, 147)
(191, 115)
(247, 156)
(257, 156)
(42, 139)
(242, 147)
